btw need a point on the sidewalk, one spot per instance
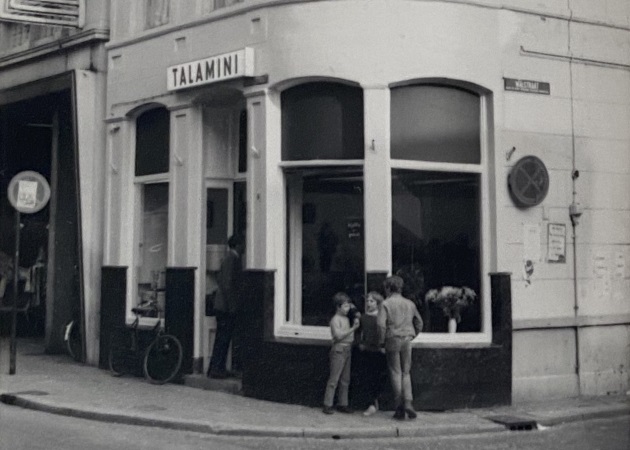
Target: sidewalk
(57, 384)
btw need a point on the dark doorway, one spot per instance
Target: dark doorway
(38, 134)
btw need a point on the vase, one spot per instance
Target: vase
(452, 325)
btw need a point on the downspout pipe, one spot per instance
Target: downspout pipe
(575, 212)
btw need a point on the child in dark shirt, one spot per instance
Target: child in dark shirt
(373, 364)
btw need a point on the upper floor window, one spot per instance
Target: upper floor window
(19, 36)
(211, 5)
(322, 121)
(157, 13)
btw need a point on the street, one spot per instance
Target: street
(33, 430)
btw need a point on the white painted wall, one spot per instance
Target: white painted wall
(582, 124)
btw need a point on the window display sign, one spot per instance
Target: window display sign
(355, 227)
(556, 243)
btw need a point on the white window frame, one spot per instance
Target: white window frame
(132, 288)
(484, 337)
(289, 330)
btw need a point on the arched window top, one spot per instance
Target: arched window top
(152, 142)
(322, 120)
(435, 123)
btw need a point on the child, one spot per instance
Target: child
(340, 355)
(373, 362)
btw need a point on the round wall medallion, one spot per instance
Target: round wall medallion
(528, 181)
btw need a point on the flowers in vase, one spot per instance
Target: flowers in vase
(452, 300)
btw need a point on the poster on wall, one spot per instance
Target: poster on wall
(531, 242)
(556, 243)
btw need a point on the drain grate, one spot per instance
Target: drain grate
(514, 423)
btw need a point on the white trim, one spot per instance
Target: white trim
(153, 178)
(294, 270)
(289, 330)
(436, 166)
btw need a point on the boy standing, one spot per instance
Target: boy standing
(340, 354)
(399, 322)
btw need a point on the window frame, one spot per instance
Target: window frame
(287, 329)
(138, 183)
(483, 337)
(288, 310)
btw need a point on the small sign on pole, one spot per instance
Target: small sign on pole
(28, 193)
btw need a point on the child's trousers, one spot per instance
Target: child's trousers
(340, 355)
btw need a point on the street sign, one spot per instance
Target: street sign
(28, 192)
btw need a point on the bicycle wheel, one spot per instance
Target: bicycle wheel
(72, 339)
(163, 359)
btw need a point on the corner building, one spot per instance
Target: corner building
(349, 140)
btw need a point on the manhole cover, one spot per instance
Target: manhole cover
(515, 423)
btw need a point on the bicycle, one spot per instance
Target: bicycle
(160, 359)
(72, 339)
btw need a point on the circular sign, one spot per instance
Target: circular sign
(528, 181)
(28, 192)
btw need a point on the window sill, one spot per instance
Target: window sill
(302, 335)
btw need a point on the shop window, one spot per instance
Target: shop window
(151, 170)
(153, 242)
(437, 192)
(325, 212)
(435, 123)
(322, 121)
(325, 241)
(436, 237)
(157, 13)
(152, 142)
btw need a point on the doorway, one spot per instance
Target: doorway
(38, 134)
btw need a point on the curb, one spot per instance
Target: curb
(221, 429)
(593, 413)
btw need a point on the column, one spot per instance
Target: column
(377, 180)
(186, 203)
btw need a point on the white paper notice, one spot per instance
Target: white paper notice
(531, 242)
(27, 194)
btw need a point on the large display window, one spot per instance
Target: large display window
(437, 211)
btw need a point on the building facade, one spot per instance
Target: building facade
(52, 103)
(466, 143)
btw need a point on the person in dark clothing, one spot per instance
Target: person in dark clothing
(227, 306)
(372, 364)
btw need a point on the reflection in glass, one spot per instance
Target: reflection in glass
(153, 242)
(435, 123)
(436, 238)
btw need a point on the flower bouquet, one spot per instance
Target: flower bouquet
(452, 300)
